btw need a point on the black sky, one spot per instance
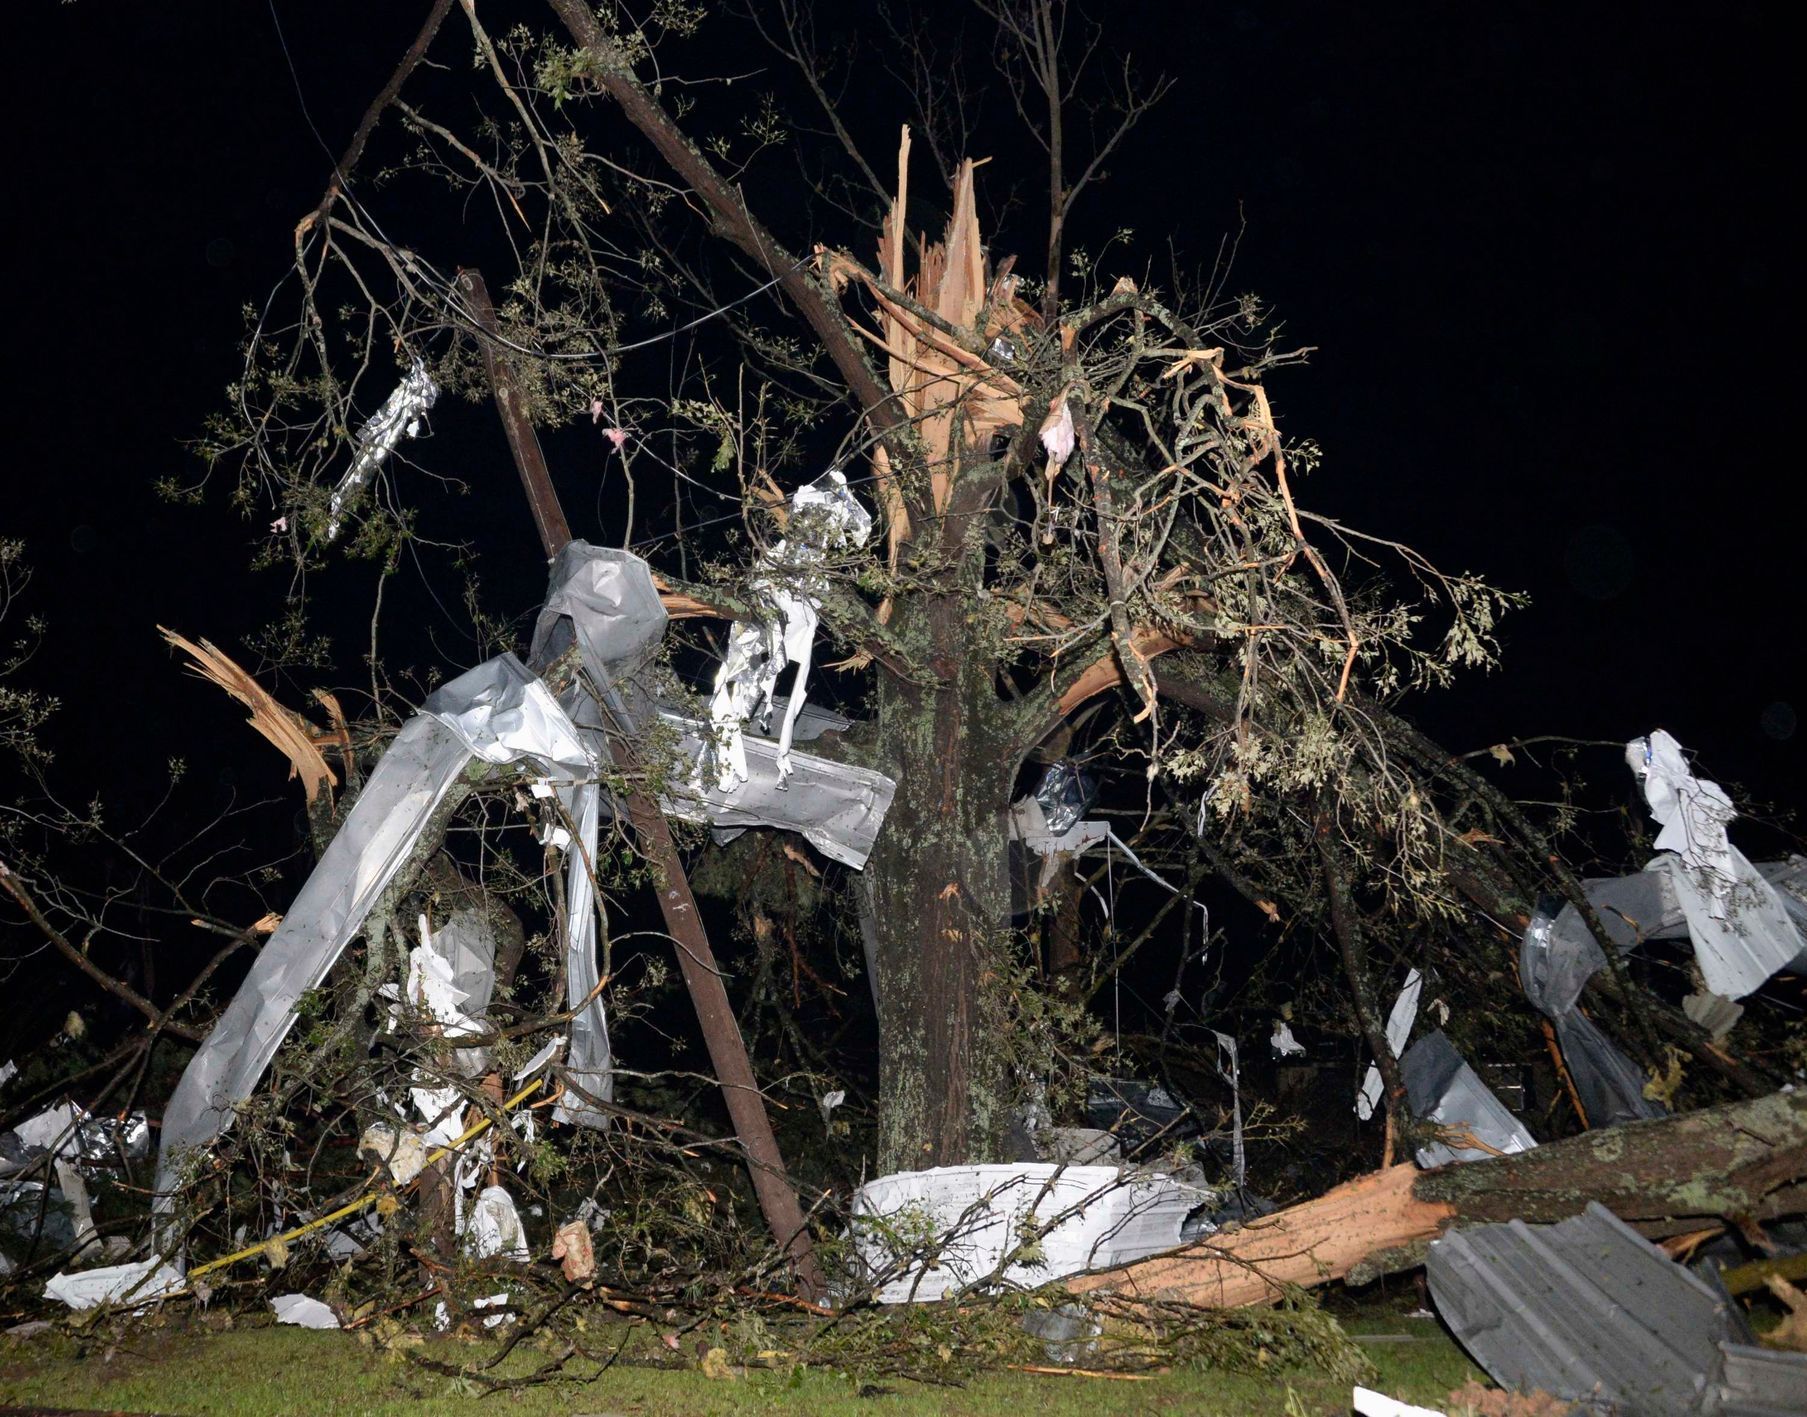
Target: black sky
(1544, 253)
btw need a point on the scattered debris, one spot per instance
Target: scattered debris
(138, 1284)
(300, 1310)
(925, 1234)
(572, 1248)
(400, 414)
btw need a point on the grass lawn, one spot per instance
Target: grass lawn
(268, 1370)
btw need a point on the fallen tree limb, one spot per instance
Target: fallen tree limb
(1744, 1161)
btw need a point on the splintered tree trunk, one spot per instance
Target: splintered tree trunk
(1739, 1164)
(943, 909)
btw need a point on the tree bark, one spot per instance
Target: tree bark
(943, 901)
(1745, 1161)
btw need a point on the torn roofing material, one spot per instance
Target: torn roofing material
(1589, 1310)
(1443, 1089)
(1556, 958)
(498, 712)
(604, 602)
(1740, 927)
(837, 807)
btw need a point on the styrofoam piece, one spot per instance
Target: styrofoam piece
(302, 1311)
(945, 1229)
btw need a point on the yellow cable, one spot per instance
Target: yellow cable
(363, 1201)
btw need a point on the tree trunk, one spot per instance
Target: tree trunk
(1737, 1164)
(943, 905)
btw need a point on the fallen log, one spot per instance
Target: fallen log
(1738, 1164)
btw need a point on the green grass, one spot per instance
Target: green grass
(268, 1370)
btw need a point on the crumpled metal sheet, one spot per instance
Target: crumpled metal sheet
(603, 600)
(400, 414)
(72, 1133)
(1556, 958)
(837, 807)
(498, 712)
(1095, 1217)
(1789, 880)
(589, 1061)
(1586, 1309)
(825, 517)
(1443, 1089)
(1741, 929)
(1065, 793)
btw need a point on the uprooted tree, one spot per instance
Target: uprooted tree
(1091, 539)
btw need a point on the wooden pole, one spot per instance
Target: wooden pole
(702, 976)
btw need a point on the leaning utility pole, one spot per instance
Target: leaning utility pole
(702, 976)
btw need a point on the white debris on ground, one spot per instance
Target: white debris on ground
(931, 1233)
(304, 1312)
(137, 1283)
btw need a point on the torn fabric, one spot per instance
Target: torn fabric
(1445, 1091)
(400, 414)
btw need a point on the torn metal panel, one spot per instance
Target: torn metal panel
(837, 807)
(497, 712)
(604, 601)
(1018, 1225)
(1761, 1382)
(589, 1062)
(1556, 958)
(1399, 1028)
(1586, 1309)
(1444, 1090)
(824, 517)
(1741, 929)
(400, 414)
(1789, 880)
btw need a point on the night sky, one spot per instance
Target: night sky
(1542, 254)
